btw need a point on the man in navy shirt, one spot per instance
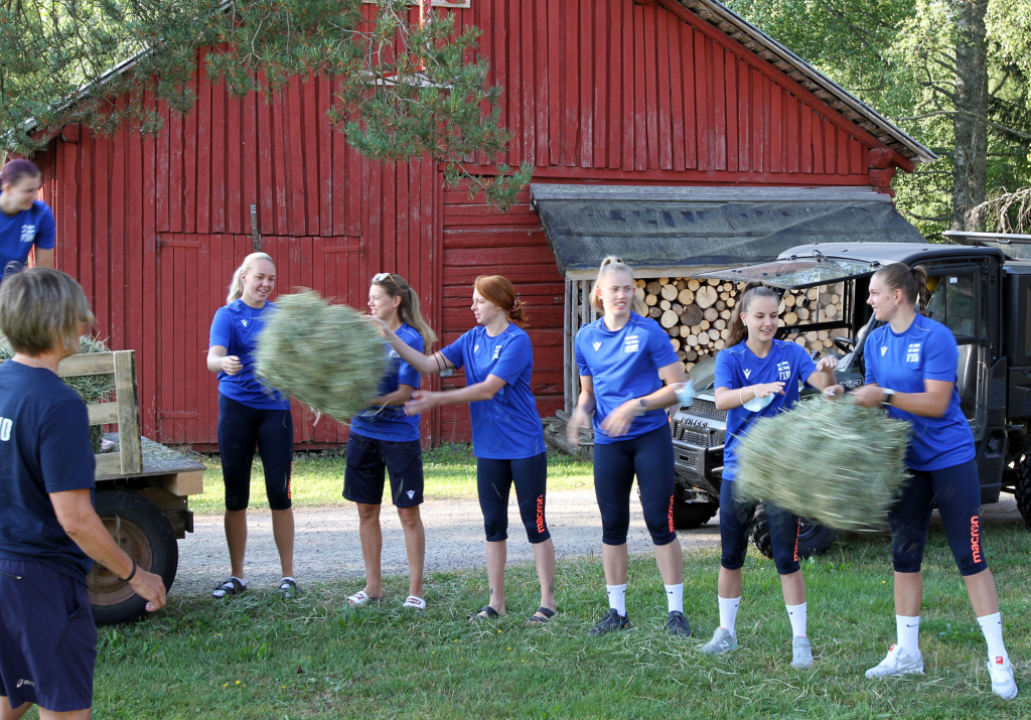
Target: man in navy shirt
(50, 534)
(25, 222)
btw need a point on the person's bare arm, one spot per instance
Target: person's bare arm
(220, 361)
(43, 257)
(933, 402)
(399, 397)
(585, 405)
(424, 400)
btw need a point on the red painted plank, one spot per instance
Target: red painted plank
(588, 89)
(523, 19)
(641, 136)
(500, 63)
(237, 217)
(388, 244)
(542, 81)
(219, 140)
(324, 87)
(87, 233)
(806, 156)
(830, 147)
(152, 368)
(776, 128)
(192, 357)
(663, 19)
(818, 144)
(175, 171)
(599, 100)
(744, 116)
(341, 173)
(718, 85)
(163, 150)
(278, 167)
(295, 175)
(704, 124)
(204, 148)
(730, 83)
(513, 50)
(119, 242)
(770, 138)
(758, 122)
(627, 117)
(101, 236)
(792, 131)
(189, 189)
(571, 87)
(689, 61)
(842, 151)
(676, 87)
(249, 153)
(356, 188)
(309, 106)
(403, 203)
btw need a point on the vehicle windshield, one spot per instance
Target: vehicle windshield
(803, 272)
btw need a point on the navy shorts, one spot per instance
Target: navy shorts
(736, 521)
(494, 480)
(367, 458)
(241, 428)
(957, 491)
(48, 642)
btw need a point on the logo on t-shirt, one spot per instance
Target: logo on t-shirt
(597, 346)
(5, 429)
(913, 352)
(476, 348)
(747, 373)
(884, 349)
(497, 351)
(28, 233)
(243, 322)
(632, 344)
(784, 370)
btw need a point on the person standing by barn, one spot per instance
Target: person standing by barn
(49, 532)
(624, 358)
(25, 222)
(508, 438)
(911, 369)
(251, 414)
(385, 438)
(758, 376)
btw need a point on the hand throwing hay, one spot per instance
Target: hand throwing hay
(327, 356)
(833, 462)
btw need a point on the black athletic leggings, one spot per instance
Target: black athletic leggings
(240, 428)
(494, 479)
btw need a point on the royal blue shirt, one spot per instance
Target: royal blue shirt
(738, 367)
(44, 448)
(508, 426)
(927, 350)
(391, 423)
(236, 328)
(624, 365)
(23, 230)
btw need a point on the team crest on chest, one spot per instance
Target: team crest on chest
(913, 352)
(631, 344)
(28, 233)
(784, 370)
(497, 351)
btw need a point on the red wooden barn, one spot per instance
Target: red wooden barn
(597, 92)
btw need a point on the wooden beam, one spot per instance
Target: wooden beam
(103, 413)
(184, 483)
(131, 453)
(87, 364)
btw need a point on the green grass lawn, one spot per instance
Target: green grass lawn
(450, 473)
(259, 657)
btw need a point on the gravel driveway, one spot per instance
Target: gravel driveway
(328, 547)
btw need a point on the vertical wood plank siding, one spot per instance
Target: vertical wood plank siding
(600, 90)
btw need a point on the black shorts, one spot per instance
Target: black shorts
(367, 458)
(48, 642)
(494, 480)
(736, 522)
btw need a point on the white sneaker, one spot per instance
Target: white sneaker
(1003, 684)
(897, 662)
(722, 643)
(801, 653)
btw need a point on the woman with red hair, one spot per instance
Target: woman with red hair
(508, 440)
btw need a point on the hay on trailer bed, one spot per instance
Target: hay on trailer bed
(327, 356)
(834, 462)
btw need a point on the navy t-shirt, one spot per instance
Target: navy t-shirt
(738, 367)
(391, 423)
(236, 328)
(927, 350)
(508, 426)
(44, 448)
(23, 230)
(624, 365)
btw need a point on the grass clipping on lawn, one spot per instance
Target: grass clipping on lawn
(327, 356)
(830, 461)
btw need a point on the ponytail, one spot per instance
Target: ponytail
(612, 264)
(738, 329)
(911, 281)
(409, 311)
(236, 287)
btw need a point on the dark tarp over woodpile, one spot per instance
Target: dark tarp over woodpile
(663, 231)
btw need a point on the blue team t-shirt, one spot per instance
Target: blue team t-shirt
(23, 230)
(391, 423)
(44, 448)
(624, 365)
(927, 350)
(508, 426)
(738, 367)
(236, 328)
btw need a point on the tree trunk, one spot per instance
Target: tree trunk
(970, 162)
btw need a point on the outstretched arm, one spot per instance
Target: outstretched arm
(425, 400)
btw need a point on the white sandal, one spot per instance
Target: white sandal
(415, 603)
(361, 598)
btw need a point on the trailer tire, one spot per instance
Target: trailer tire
(142, 530)
(688, 516)
(1022, 488)
(813, 538)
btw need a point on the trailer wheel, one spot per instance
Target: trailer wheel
(813, 538)
(688, 516)
(142, 530)
(1022, 488)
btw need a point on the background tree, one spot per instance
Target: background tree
(411, 86)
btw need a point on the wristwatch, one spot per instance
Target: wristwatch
(886, 396)
(641, 408)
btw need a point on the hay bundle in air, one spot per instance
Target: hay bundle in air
(834, 462)
(327, 356)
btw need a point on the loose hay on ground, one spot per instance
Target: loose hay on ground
(327, 356)
(834, 462)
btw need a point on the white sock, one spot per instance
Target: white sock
(240, 579)
(287, 578)
(617, 598)
(675, 597)
(728, 612)
(991, 626)
(908, 630)
(796, 614)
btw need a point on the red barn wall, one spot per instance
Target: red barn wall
(596, 91)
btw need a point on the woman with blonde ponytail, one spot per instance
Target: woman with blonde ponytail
(251, 414)
(628, 375)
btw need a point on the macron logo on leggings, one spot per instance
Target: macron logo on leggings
(975, 538)
(5, 429)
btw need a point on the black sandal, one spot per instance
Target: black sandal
(486, 613)
(232, 586)
(546, 612)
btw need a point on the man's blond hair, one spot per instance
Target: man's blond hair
(40, 306)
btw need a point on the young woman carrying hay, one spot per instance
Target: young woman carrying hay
(385, 438)
(623, 359)
(911, 368)
(249, 414)
(758, 376)
(508, 439)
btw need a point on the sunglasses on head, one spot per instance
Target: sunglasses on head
(380, 277)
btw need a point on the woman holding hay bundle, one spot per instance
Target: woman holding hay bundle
(250, 414)
(911, 368)
(624, 358)
(385, 438)
(758, 376)
(508, 439)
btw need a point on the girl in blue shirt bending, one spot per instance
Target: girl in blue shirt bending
(623, 359)
(384, 438)
(758, 376)
(911, 368)
(508, 438)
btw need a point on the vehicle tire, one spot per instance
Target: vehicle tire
(813, 538)
(142, 530)
(1022, 488)
(688, 516)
